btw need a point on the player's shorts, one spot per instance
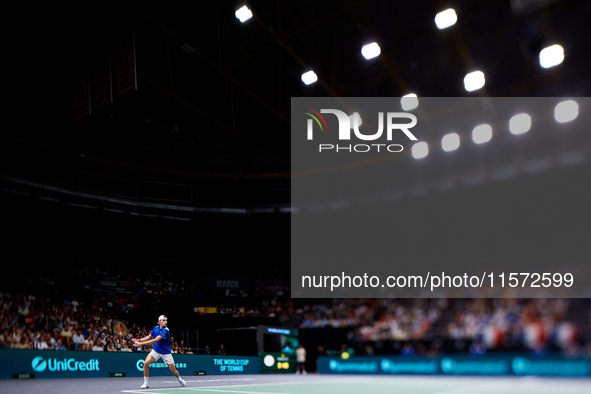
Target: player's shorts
(167, 358)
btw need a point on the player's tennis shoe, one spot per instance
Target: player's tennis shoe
(182, 382)
(144, 386)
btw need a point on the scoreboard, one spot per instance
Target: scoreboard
(277, 349)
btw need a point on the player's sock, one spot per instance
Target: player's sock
(182, 382)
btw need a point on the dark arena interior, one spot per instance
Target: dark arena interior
(146, 170)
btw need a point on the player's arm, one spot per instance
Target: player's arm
(146, 338)
(143, 342)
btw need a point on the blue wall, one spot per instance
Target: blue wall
(490, 365)
(69, 364)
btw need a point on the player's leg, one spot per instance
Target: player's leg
(149, 360)
(170, 362)
(173, 370)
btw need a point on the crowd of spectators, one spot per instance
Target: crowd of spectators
(176, 280)
(52, 319)
(29, 321)
(532, 323)
(376, 319)
(263, 298)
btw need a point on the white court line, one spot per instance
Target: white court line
(209, 380)
(239, 385)
(225, 380)
(356, 378)
(189, 381)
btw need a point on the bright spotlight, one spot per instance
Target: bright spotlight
(243, 14)
(481, 134)
(446, 18)
(420, 150)
(309, 77)
(551, 56)
(450, 142)
(520, 124)
(474, 81)
(566, 111)
(370, 51)
(409, 101)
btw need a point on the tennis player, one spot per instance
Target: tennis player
(160, 337)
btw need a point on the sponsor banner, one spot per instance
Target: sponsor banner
(226, 283)
(46, 364)
(110, 284)
(493, 365)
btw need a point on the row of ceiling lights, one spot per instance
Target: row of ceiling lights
(549, 57)
(565, 111)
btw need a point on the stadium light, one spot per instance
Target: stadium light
(409, 102)
(309, 77)
(551, 56)
(420, 150)
(566, 111)
(474, 81)
(481, 134)
(450, 142)
(520, 124)
(370, 51)
(446, 18)
(243, 14)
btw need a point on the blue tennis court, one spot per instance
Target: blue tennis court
(309, 384)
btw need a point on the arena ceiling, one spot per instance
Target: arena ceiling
(210, 96)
